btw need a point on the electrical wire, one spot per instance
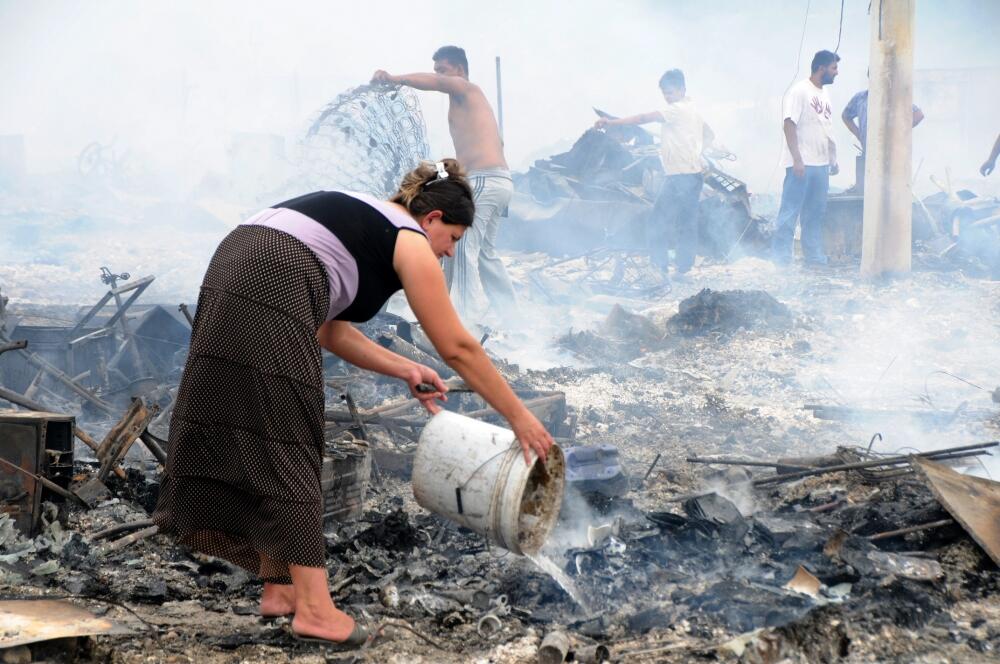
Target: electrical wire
(795, 76)
(840, 30)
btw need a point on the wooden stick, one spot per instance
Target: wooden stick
(128, 539)
(122, 528)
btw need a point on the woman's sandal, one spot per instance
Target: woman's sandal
(357, 638)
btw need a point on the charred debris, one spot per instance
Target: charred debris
(725, 501)
(683, 557)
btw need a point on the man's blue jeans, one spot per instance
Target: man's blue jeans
(675, 215)
(806, 197)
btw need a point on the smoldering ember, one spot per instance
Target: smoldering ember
(708, 374)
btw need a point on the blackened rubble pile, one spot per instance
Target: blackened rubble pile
(726, 312)
(601, 193)
(822, 566)
(624, 335)
(682, 566)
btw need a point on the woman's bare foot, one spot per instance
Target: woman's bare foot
(328, 623)
(277, 600)
(315, 614)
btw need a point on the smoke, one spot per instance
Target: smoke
(174, 81)
(915, 352)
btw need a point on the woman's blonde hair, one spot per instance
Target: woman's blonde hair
(428, 187)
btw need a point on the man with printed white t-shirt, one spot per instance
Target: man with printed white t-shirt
(809, 158)
(683, 135)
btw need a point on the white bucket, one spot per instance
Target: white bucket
(474, 474)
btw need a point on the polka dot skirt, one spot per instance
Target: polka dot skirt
(246, 436)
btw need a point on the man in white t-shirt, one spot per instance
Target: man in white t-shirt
(809, 158)
(683, 135)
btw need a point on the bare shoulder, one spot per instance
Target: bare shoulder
(466, 91)
(412, 251)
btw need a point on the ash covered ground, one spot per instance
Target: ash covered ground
(684, 581)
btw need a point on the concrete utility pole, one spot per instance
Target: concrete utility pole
(888, 197)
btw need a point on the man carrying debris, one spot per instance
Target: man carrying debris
(855, 116)
(478, 148)
(810, 158)
(991, 163)
(683, 135)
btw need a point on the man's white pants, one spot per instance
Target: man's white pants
(476, 273)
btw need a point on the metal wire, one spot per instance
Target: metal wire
(365, 140)
(840, 30)
(798, 67)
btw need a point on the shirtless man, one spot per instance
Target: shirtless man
(479, 149)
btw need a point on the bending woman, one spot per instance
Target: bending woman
(246, 439)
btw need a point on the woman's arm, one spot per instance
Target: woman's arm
(346, 342)
(423, 283)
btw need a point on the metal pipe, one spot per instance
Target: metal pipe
(939, 455)
(499, 106)
(911, 529)
(554, 648)
(888, 461)
(743, 462)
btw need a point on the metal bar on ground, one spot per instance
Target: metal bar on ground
(911, 529)
(888, 461)
(48, 484)
(13, 345)
(950, 453)
(743, 462)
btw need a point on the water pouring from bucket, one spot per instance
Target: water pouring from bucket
(474, 474)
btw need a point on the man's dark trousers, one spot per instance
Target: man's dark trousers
(675, 214)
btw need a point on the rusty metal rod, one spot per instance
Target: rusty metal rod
(48, 484)
(874, 463)
(528, 403)
(153, 447)
(355, 415)
(911, 529)
(13, 345)
(940, 455)
(651, 467)
(744, 462)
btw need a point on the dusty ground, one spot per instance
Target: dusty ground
(739, 393)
